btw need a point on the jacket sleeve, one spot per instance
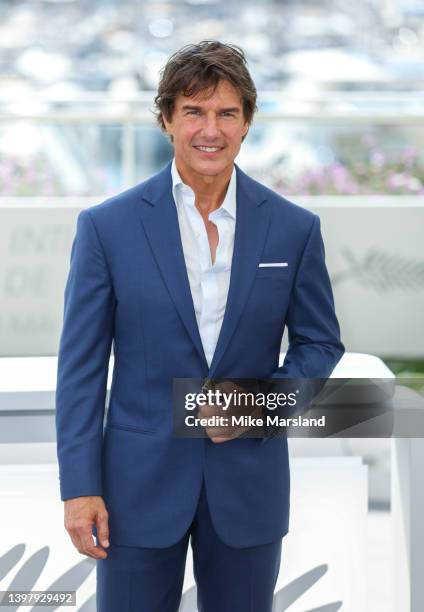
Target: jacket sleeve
(83, 359)
(313, 330)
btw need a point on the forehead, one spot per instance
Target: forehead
(224, 94)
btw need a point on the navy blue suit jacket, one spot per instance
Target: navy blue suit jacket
(128, 285)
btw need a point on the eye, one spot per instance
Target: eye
(228, 114)
(192, 112)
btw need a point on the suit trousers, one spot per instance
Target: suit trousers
(228, 579)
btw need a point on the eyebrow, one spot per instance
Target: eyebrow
(232, 109)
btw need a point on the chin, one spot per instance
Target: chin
(208, 171)
(210, 168)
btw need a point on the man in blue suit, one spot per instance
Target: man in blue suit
(194, 273)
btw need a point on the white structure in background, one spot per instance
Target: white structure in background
(373, 250)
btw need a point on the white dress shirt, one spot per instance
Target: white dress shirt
(208, 283)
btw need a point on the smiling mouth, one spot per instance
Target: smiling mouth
(205, 149)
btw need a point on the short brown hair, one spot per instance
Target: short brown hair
(199, 67)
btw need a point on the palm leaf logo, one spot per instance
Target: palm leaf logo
(72, 579)
(381, 271)
(31, 570)
(29, 573)
(10, 559)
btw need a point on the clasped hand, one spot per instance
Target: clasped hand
(218, 433)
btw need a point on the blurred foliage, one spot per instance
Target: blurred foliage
(405, 367)
(27, 176)
(410, 370)
(360, 167)
(34, 175)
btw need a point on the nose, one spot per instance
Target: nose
(210, 128)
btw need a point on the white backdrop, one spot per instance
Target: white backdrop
(374, 256)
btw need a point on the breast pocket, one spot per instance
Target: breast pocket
(276, 272)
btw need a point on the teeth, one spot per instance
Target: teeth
(208, 149)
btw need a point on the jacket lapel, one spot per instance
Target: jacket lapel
(252, 221)
(160, 221)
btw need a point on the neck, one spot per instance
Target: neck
(209, 191)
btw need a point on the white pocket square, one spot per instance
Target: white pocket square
(281, 264)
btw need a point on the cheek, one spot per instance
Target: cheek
(187, 136)
(236, 141)
(235, 136)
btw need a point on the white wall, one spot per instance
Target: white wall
(375, 257)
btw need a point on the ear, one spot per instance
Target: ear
(168, 125)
